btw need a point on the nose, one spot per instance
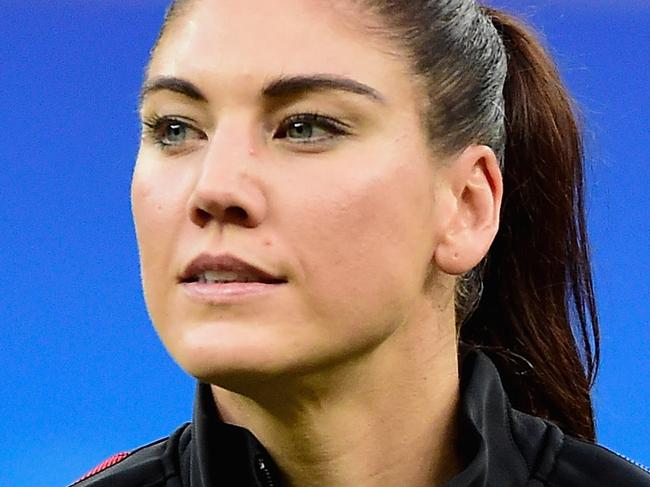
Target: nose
(225, 191)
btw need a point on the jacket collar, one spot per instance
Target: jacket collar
(488, 439)
(221, 451)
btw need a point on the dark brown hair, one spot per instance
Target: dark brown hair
(538, 300)
(530, 304)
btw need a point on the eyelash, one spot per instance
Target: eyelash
(153, 125)
(334, 127)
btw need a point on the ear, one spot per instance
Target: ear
(476, 189)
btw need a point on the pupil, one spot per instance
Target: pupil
(176, 132)
(301, 130)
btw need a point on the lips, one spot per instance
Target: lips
(223, 269)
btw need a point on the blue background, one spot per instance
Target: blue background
(83, 373)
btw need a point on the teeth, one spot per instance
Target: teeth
(211, 277)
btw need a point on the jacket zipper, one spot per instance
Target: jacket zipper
(267, 478)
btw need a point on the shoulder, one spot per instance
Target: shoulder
(582, 463)
(559, 460)
(151, 464)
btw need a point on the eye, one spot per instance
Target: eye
(310, 128)
(171, 133)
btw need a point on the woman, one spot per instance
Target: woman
(361, 228)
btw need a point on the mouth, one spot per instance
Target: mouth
(226, 268)
(226, 277)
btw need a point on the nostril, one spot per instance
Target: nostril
(200, 217)
(235, 213)
(232, 214)
(211, 203)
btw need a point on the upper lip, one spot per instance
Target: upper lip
(226, 263)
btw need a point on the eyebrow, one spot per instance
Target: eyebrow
(170, 83)
(297, 85)
(282, 87)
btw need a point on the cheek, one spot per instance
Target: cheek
(366, 238)
(158, 205)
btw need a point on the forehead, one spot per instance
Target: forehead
(256, 39)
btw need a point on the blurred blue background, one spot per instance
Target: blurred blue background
(83, 373)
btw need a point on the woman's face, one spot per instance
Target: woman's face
(281, 134)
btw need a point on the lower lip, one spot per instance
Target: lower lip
(217, 293)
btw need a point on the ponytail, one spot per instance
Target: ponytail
(537, 316)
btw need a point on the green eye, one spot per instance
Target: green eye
(170, 133)
(301, 130)
(310, 128)
(173, 133)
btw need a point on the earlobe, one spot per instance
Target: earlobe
(477, 189)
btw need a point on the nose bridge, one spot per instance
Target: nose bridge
(225, 189)
(225, 158)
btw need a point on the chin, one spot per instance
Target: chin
(248, 356)
(213, 366)
(234, 362)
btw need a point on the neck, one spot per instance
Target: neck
(388, 418)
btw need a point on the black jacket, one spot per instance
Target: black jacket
(509, 449)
